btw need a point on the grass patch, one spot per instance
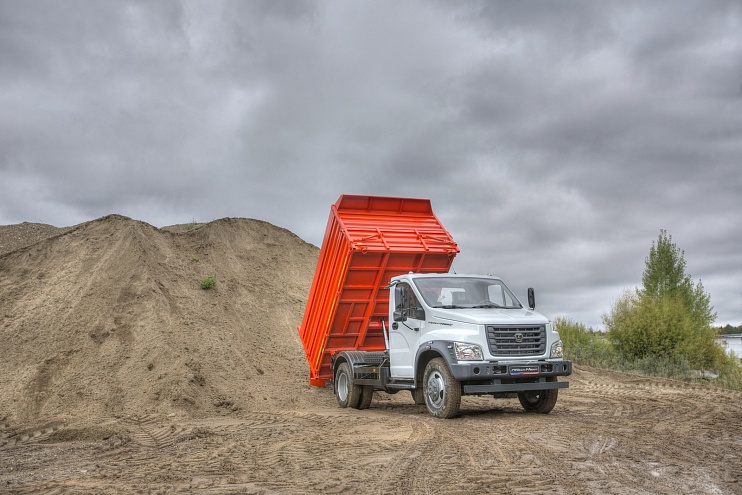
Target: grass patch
(208, 283)
(192, 225)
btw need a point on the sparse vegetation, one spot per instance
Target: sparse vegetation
(192, 225)
(662, 329)
(586, 346)
(208, 283)
(669, 319)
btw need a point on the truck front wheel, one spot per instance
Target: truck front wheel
(418, 395)
(539, 401)
(347, 393)
(442, 391)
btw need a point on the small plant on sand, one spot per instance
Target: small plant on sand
(208, 283)
(192, 225)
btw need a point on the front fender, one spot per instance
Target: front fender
(430, 350)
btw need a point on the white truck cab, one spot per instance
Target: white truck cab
(452, 335)
(477, 314)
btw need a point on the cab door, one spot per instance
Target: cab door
(404, 333)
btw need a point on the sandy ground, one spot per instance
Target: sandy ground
(119, 374)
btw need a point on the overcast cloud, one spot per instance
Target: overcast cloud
(555, 139)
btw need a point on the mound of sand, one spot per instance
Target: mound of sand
(108, 318)
(24, 234)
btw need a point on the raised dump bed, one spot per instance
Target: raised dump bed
(368, 240)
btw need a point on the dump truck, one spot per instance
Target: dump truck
(386, 313)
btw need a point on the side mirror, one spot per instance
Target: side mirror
(531, 298)
(400, 316)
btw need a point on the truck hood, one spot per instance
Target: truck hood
(482, 316)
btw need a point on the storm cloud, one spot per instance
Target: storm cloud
(555, 139)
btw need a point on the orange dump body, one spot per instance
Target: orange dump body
(368, 240)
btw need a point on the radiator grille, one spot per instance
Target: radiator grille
(516, 341)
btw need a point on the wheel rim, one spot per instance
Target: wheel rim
(343, 387)
(533, 397)
(436, 390)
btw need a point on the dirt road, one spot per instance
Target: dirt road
(119, 375)
(610, 433)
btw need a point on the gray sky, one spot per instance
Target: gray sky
(555, 139)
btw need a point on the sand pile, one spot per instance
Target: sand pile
(108, 318)
(24, 234)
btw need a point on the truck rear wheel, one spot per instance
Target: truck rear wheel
(539, 401)
(346, 392)
(442, 391)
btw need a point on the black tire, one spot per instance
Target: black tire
(346, 392)
(539, 401)
(442, 391)
(367, 393)
(418, 395)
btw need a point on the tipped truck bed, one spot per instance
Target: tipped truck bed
(368, 240)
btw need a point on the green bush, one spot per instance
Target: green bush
(643, 327)
(585, 346)
(208, 283)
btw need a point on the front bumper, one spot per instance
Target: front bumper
(510, 376)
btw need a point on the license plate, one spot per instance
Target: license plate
(524, 370)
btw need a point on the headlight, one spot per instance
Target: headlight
(557, 351)
(467, 352)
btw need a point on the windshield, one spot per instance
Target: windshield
(466, 292)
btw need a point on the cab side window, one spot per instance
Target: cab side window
(406, 300)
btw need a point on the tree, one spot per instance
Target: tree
(728, 329)
(669, 316)
(664, 277)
